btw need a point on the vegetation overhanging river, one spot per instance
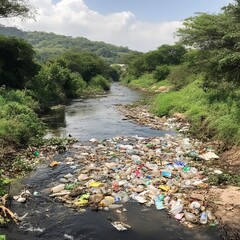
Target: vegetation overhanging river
(48, 219)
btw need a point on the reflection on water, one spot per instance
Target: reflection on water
(56, 120)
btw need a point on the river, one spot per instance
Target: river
(50, 220)
(98, 117)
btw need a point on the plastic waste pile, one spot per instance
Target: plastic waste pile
(151, 171)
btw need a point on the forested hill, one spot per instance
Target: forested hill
(48, 45)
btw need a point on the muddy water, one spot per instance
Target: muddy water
(50, 220)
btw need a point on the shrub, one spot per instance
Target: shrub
(20, 96)
(100, 82)
(127, 78)
(161, 72)
(179, 76)
(75, 86)
(18, 122)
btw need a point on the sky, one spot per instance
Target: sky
(141, 25)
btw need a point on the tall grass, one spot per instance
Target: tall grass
(210, 113)
(148, 81)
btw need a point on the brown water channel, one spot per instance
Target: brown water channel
(50, 220)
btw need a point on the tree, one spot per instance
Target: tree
(161, 72)
(17, 64)
(217, 39)
(164, 55)
(204, 31)
(115, 72)
(136, 66)
(88, 65)
(171, 54)
(55, 83)
(14, 8)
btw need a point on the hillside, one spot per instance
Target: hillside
(48, 45)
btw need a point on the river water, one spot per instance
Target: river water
(50, 220)
(98, 117)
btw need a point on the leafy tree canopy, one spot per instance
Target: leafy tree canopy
(217, 39)
(14, 8)
(88, 65)
(17, 64)
(164, 55)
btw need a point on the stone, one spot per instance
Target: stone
(197, 196)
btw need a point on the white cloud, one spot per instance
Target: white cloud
(74, 18)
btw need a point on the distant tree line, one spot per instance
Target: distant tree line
(49, 45)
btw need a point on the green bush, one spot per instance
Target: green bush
(75, 86)
(127, 78)
(22, 97)
(100, 82)
(47, 85)
(161, 72)
(54, 84)
(177, 101)
(179, 76)
(18, 122)
(145, 81)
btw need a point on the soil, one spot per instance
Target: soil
(226, 199)
(226, 202)
(231, 159)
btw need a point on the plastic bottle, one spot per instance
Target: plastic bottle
(152, 189)
(58, 188)
(107, 201)
(121, 197)
(170, 182)
(136, 159)
(36, 153)
(114, 206)
(209, 215)
(96, 198)
(131, 152)
(117, 199)
(203, 218)
(151, 166)
(159, 203)
(186, 168)
(166, 200)
(176, 208)
(195, 205)
(186, 175)
(166, 174)
(190, 217)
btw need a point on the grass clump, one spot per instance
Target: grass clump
(100, 82)
(18, 121)
(147, 82)
(225, 179)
